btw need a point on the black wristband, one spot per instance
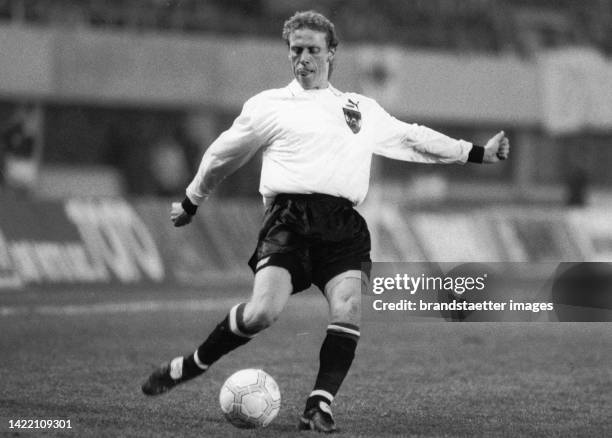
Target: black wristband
(189, 207)
(476, 154)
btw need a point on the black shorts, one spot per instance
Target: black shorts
(315, 237)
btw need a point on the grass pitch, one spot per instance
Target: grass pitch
(428, 379)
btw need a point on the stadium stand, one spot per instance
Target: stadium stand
(85, 132)
(489, 26)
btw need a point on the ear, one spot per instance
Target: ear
(331, 54)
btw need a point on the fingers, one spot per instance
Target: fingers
(497, 148)
(178, 216)
(182, 219)
(503, 150)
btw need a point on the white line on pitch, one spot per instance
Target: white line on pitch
(206, 304)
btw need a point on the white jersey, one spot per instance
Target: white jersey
(318, 141)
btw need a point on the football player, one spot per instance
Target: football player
(317, 149)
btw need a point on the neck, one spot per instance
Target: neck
(318, 86)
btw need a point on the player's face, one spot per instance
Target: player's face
(310, 58)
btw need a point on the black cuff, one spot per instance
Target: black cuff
(189, 207)
(476, 154)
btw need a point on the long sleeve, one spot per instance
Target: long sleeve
(231, 150)
(411, 142)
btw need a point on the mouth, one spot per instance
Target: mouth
(303, 71)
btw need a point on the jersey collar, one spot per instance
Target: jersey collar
(295, 88)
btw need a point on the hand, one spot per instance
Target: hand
(179, 216)
(497, 148)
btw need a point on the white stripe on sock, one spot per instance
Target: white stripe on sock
(324, 394)
(176, 368)
(233, 321)
(339, 328)
(198, 362)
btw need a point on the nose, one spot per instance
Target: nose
(304, 57)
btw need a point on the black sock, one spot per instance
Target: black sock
(335, 359)
(228, 335)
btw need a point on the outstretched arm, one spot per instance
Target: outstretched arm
(411, 142)
(443, 149)
(227, 153)
(403, 141)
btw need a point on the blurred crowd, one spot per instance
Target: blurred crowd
(492, 26)
(156, 150)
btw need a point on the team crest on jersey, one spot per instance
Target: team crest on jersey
(352, 115)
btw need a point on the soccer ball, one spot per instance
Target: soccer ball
(250, 398)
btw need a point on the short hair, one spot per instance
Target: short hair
(311, 20)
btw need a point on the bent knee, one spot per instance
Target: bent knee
(257, 318)
(347, 309)
(345, 301)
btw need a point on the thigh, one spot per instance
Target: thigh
(344, 249)
(271, 290)
(282, 244)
